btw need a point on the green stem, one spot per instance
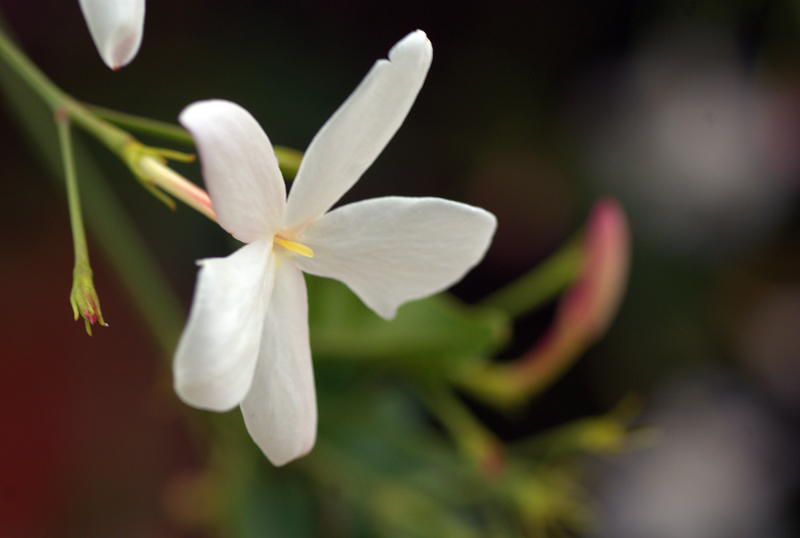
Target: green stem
(113, 230)
(73, 197)
(472, 438)
(29, 73)
(119, 142)
(543, 283)
(83, 296)
(288, 158)
(147, 126)
(57, 100)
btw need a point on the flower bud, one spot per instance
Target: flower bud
(582, 315)
(84, 298)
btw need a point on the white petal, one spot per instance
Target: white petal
(280, 411)
(217, 352)
(391, 250)
(358, 131)
(240, 169)
(116, 27)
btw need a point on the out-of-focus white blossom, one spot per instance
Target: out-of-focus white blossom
(723, 465)
(685, 136)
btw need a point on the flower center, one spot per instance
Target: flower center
(297, 248)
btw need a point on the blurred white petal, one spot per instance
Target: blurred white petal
(677, 132)
(116, 27)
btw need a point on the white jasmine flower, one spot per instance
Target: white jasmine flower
(246, 340)
(116, 27)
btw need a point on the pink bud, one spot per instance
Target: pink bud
(587, 308)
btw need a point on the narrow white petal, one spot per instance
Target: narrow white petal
(391, 250)
(217, 352)
(358, 131)
(116, 27)
(280, 411)
(240, 169)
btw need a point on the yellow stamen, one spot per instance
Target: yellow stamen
(295, 247)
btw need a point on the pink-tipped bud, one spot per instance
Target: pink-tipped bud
(587, 308)
(582, 316)
(594, 299)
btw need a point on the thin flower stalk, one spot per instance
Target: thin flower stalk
(119, 142)
(83, 296)
(476, 442)
(288, 158)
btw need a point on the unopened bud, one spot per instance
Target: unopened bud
(582, 315)
(84, 298)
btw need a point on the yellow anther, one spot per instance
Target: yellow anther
(295, 247)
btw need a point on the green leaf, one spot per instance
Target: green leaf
(430, 333)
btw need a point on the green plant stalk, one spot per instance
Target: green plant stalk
(57, 100)
(119, 142)
(288, 158)
(73, 196)
(540, 285)
(113, 230)
(83, 296)
(473, 439)
(147, 126)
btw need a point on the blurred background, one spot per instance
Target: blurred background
(687, 111)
